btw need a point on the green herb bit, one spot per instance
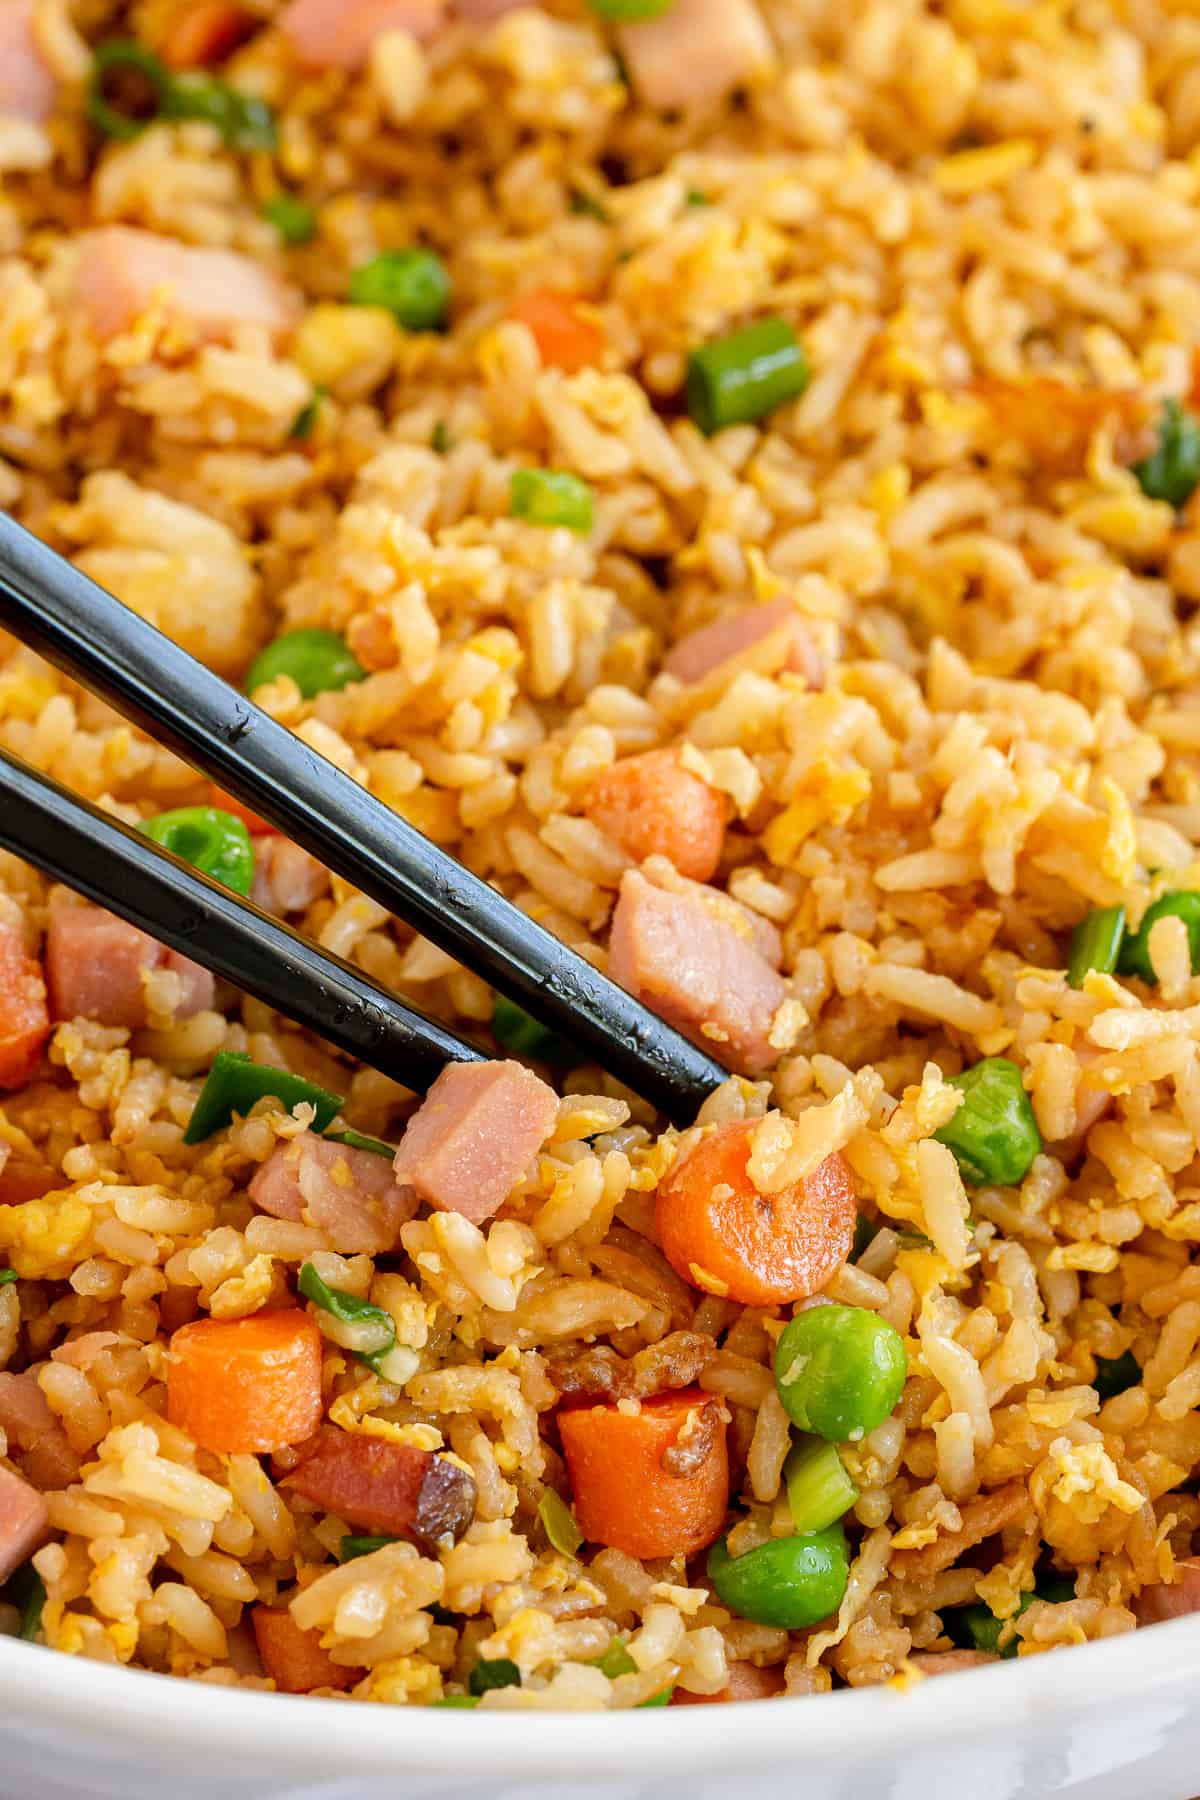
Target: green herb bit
(628, 12)
(586, 207)
(244, 121)
(1172, 469)
(1096, 944)
(358, 1325)
(211, 840)
(498, 1673)
(410, 284)
(993, 1135)
(694, 197)
(1115, 1374)
(294, 219)
(129, 89)
(440, 439)
(865, 1232)
(559, 1523)
(317, 661)
(551, 497)
(352, 1547)
(662, 1698)
(305, 421)
(615, 1661)
(234, 1085)
(7, 1277)
(513, 1028)
(743, 377)
(356, 1140)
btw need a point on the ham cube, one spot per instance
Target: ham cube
(651, 805)
(393, 1489)
(34, 1434)
(1171, 1599)
(337, 34)
(700, 652)
(351, 1195)
(292, 1657)
(477, 1131)
(121, 272)
(696, 51)
(698, 971)
(24, 1522)
(96, 966)
(24, 1016)
(27, 85)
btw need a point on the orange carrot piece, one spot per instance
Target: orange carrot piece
(722, 1235)
(746, 1682)
(254, 825)
(205, 33)
(294, 1658)
(651, 805)
(565, 339)
(24, 1014)
(624, 1497)
(239, 1385)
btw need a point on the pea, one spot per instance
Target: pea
(993, 1135)
(412, 284)
(1134, 957)
(840, 1370)
(209, 839)
(316, 661)
(791, 1582)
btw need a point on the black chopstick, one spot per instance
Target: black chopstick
(109, 862)
(51, 605)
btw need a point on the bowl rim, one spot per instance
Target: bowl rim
(98, 1700)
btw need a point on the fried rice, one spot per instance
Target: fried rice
(974, 721)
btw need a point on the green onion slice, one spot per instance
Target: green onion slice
(357, 1324)
(1096, 943)
(559, 1524)
(740, 378)
(129, 89)
(818, 1487)
(352, 1546)
(235, 1083)
(496, 1673)
(551, 497)
(355, 1140)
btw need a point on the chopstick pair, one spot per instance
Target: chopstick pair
(60, 612)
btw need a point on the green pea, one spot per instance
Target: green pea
(211, 840)
(294, 219)
(840, 1370)
(993, 1135)
(1172, 469)
(615, 1661)
(410, 284)
(1182, 904)
(317, 661)
(1115, 1374)
(495, 1673)
(790, 1582)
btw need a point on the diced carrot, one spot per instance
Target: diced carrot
(254, 825)
(1054, 423)
(1194, 395)
(293, 1658)
(246, 1385)
(624, 1495)
(721, 1234)
(746, 1682)
(565, 339)
(24, 1014)
(651, 805)
(205, 33)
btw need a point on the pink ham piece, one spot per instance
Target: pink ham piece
(697, 971)
(95, 964)
(27, 85)
(350, 1195)
(469, 1143)
(951, 1662)
(700, 652)
(34, 1434)
(1171, 1599)
(698, 50)
(24, 1522)
(286, 878)
(337, 34)
(121, 272)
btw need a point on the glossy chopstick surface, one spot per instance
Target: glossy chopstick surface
(59, 611)
(74, 842)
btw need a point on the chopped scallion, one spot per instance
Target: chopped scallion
(742, 377)
(551, 497)
(1172, 469)
(234, 1084)
(559, 1524)
(352, 1547)
(1134, 958)
(495, 1673)
(818, 1487)
(357, 1325)
(1096, 943)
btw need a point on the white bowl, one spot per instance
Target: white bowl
(1112, 1721)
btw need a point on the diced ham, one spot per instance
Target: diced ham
(34, 1434)
(652, 805)
(121, 272)
(477, 1131)
(697, 971)
(205, 32)
(746, 1682)
(482, 12)
(384, 1487)
(337, 34)
(1171, 1599)
(27, 85)
(96, 965)
(24, 1521)
(286, 878)
(22, 1180)
(702, 651)
(294, 1658)
(697, 50)
(351, 1195)
(951, 1662)
(24, 1017)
